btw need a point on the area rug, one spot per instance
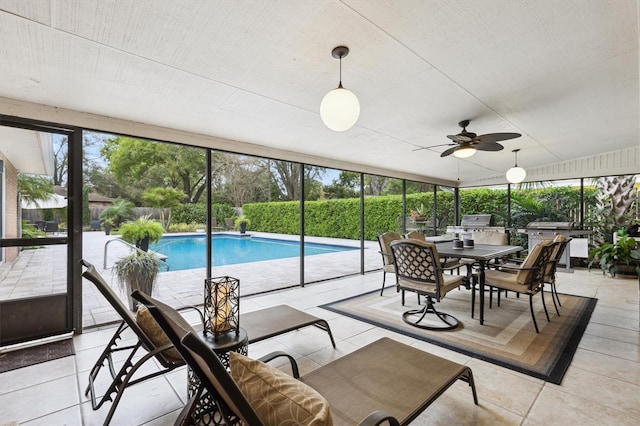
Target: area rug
(35, 355)
(507, 337)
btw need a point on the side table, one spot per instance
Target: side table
(206, 411)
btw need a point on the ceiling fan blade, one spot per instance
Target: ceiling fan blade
(433, 146)
(488, 146)
(495, 137)
(459, 138)
(448, 152)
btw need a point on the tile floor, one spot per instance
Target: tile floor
(602, 386)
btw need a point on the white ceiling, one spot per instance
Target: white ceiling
(562, 73)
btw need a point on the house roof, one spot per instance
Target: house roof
(249, 76)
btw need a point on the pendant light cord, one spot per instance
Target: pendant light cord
(340, 83)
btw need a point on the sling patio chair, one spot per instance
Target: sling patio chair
(150, 338)
(559, 245)
(358, 388)
(384, 240)
(527, 278)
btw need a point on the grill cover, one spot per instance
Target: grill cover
(551, 225)
(475, 220)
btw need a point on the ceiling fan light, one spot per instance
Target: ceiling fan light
(340, 109)
(516, 174)
(464, 152)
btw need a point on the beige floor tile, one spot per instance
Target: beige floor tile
(613, 333)
(499, 387)
(32, 375)
(328, 354)
(615, 348)
(70, 416)
(39, 400)
(456, 407)
(607, 365)
(556, 407)
(601, 389)
(140, 403)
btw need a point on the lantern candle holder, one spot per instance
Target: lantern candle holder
(221, 306)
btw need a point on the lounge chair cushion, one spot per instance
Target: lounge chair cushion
(276, 397)
(153, 331)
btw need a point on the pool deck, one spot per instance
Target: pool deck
(43, 271)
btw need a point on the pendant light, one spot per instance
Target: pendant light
(516, 174)
(340, 108)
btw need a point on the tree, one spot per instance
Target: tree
(243, 179)
(60, 159)
(286, 176)
(34, 188)
(162, 198)
(346, 186)
(139, 164)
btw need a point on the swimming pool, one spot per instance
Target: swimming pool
(189, 251)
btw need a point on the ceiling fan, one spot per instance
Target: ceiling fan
(465, 144)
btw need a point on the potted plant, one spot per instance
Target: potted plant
(621, 257)
(241, 224)
(137, 271)
(418, 214)
(108, 224)
(141, 232)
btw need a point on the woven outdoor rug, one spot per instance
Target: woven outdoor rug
(35, 355)
(507, 337)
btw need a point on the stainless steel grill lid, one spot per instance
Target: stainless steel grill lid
(475, 220)
(551, 225)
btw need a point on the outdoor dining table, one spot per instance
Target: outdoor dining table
(482, 253)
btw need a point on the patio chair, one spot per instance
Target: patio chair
(229, 224)
(559, 245)
(527, 278)
(149, 338)
(387, 256)
(352, 389)
(419, 269)
(214, 224)
(51, 227)
(448, 264)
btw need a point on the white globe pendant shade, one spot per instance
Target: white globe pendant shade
(464, 152)
(339, 109)
(516, 174)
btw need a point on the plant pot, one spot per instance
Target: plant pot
(107, 229)
(243, 228)
(626, 271)
(143, 244)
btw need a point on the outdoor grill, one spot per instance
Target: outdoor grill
(540, 231)
(471, 223)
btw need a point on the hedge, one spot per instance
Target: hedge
(341, 218)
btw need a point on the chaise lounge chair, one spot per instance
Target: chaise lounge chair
(149, 339)
(356, 387)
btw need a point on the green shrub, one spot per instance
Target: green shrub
(186, 227)
(135, 231)
(197, 213)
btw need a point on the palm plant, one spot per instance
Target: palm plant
(162, 198)
(118, 212)
(34, 188)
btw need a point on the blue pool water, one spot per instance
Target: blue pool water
(189, 252)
